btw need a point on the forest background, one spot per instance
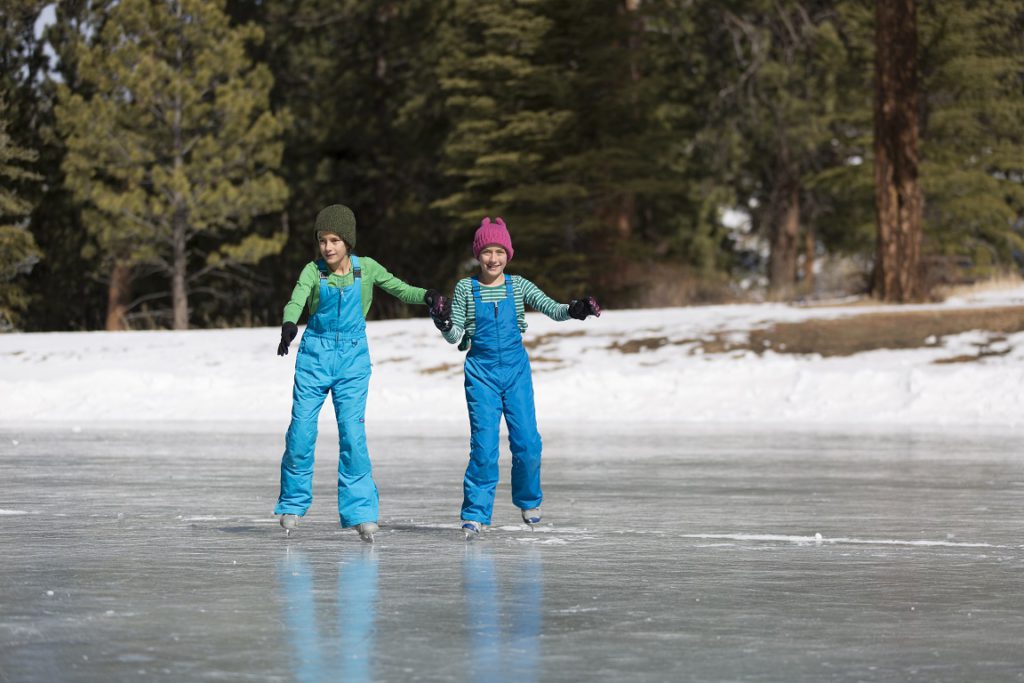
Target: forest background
(162, 160)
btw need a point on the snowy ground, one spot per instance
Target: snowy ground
(221, 376)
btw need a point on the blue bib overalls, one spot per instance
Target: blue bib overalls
(333, 357)
(498, 381)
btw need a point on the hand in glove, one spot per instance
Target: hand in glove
(288, 332)
(581, 308)
(441, 313)
(430, 297)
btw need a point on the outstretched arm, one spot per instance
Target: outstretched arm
(539, 301)
(577, 308)
(459, 314)
(397, 288)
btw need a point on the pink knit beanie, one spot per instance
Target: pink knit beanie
(492, 233)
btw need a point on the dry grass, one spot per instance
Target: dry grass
(443, 367)
(1002, 282)
(543, 339)
(872, 331)
(856, 334)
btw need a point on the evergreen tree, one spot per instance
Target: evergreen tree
(567, 120)
(787, 60)
(18, 250)
(507, 122)
(172, 148)
(358, 78)
(972, 73)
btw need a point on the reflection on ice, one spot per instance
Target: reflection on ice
(503, 627)
(320, 653)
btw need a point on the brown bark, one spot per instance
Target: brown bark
(119, 294)
(179, 224)
(898, 200)
(784, 228)
(808, 270)
(179, 287)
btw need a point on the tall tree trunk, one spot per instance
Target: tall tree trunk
(784, 214)
(179, 217)
(810, 242)
(624, 220)
(898, 201)
(119, 294)
(179, 273)
(785, 242)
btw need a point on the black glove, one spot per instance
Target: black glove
(430, 297)
(288, 332)
(441, 313)
(581, 308)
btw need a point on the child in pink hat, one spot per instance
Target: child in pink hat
(487, 315)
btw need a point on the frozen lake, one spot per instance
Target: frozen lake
(693, 556)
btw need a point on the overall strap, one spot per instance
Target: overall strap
(508, 289)
(325, 274)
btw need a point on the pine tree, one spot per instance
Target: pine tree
(780, 96)
(972, 61)
(567, 120)
(18, 250)
(359, 79)
(172, 148)
(504, 104)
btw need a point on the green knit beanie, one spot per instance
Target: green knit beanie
(340, 220)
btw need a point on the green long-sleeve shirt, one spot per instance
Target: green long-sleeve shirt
(523, 292)
(307, 289)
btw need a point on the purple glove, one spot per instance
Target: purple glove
(581, 308)
(441, 312)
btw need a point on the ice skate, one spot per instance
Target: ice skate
(471, 529)
(367, 530)
(532, 516)
(289, 522)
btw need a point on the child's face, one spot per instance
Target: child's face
(332, 248)
(492, 261)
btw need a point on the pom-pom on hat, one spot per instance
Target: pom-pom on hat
(492, 233)
(340, 220)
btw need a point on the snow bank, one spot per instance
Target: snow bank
(222, 376)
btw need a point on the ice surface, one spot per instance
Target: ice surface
(149, 555)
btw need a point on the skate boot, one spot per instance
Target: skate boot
(471, 529)
(367, 530)
(289, 522)
(531, 516)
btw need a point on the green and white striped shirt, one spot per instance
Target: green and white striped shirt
(523, 291)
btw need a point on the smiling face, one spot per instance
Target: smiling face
(333, 249)
(492, 263)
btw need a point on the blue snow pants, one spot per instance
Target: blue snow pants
(333, 358)
(499, 382)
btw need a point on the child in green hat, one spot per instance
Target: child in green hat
(334, 358)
